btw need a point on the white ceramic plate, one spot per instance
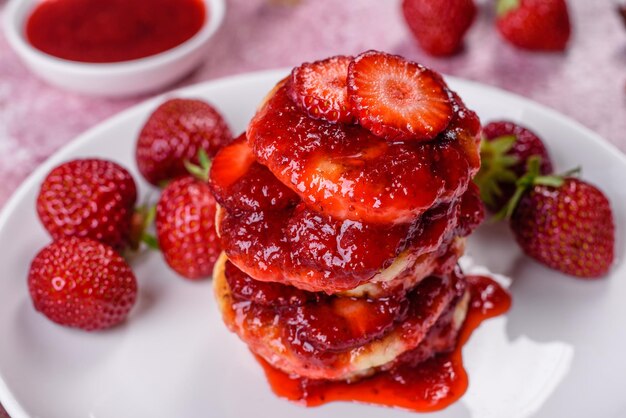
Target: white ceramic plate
(559, 352)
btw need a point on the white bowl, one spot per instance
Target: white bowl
(126, 78)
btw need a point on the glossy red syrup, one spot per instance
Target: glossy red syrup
(321, 328)
(347, 172)
(105, 31)
(239, 183)
(430, 386)
(315, 252)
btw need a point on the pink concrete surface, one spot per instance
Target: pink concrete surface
(587, 83)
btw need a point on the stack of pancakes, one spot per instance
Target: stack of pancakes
(318, 278)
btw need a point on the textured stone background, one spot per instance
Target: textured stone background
(588, 82)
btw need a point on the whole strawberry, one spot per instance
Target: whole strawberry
(505, 152)
(566, 224)
(88, 198)
(541, 25)
(185, 224)
(176, 131)
(439, 26)
(82, 283)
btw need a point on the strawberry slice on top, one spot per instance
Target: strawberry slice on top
(320, 89)
(398, 99)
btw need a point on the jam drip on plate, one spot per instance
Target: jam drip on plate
(430, 385)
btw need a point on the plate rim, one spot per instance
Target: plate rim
(7, 399)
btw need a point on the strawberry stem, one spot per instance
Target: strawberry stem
(572, 172)
(501, 145)
(532, 178)
(505, 6)
(523, 184)
(204, 159)
(496, 167)
(150, 241)
(507, 211)
(143, 218)
(163, 183)
(552, 181)
(149, 218)
(200, 171)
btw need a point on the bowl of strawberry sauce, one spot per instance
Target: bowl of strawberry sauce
(112, 48)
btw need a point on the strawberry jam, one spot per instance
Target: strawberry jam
(347, 172)
(339, 268)
(315, 252)
(414, 383)
(112, 30)
(239, 183)
(327, 333)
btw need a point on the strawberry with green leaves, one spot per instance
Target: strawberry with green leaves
(185, 223)
(505, 151)
(176, 131)
(562, 222)
(538, 25)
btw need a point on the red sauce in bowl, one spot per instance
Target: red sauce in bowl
(105, 31)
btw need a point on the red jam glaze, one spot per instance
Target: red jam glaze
(345, 248)
(100, 31)
(256, 188)
(347, 172)
(318, 253)
(472, 211)
(319, 327)
(428, 386)
(259, 190)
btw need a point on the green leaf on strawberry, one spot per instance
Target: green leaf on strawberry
(532, 178)
(496, 167)
(505, 6)
(201, 170)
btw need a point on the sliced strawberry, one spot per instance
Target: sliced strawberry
(231, 163)
(320, 89)
(240, 183)
(398, 99)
